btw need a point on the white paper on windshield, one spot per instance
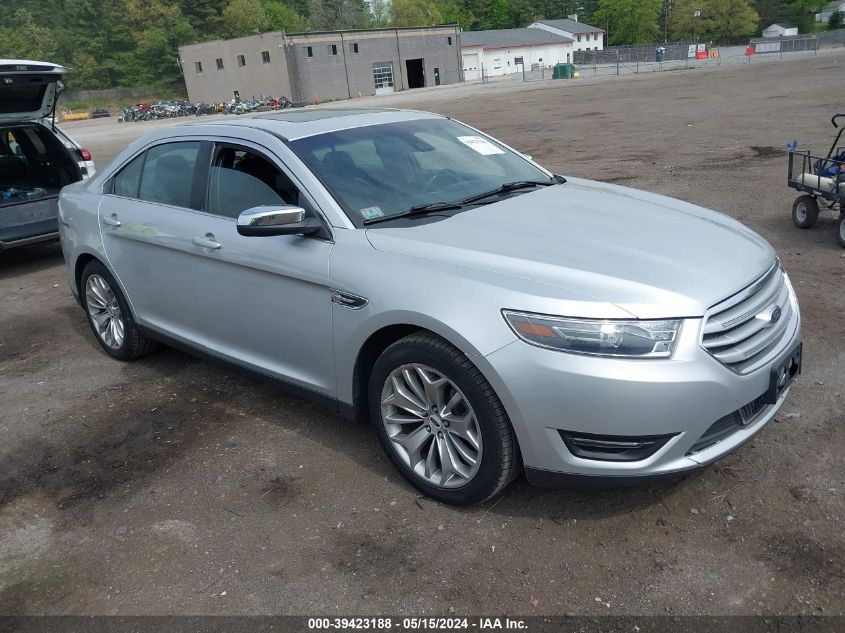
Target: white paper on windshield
(371, 212)
(480, 145)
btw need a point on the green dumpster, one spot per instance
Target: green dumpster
(563, 71)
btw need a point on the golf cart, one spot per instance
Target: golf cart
(821, 181)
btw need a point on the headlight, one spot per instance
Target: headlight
(629, 339)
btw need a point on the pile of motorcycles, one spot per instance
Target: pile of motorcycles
(178, 108)
(157, 110)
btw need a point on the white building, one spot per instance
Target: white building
(829, 9)
(503, 51)
(584, 36)
(780, 30)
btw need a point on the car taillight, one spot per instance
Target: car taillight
(86, 155)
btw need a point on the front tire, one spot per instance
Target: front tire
(109, 315)
(805, 212)
(440, 422)
(840, 235)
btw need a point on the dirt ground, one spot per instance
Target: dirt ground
(171, 486)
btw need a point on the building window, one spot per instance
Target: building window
(198, 67)
(309, 51)
(579, 38)
(265, 57)
(333, 49)
(355, 47)
(219, 64)
(383, 75)
(241, 60)
(595, 37)
(449, 40)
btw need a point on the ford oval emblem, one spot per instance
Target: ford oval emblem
(774, 315)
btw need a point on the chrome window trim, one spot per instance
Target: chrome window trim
(266, 152)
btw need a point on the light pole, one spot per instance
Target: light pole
(695, 14)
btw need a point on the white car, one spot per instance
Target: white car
(84, 157)
(37, 158)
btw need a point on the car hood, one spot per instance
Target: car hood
(652, 256)
(28, 89)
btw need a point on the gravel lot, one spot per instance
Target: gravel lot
(172, 486)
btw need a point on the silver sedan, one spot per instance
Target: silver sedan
(485, 314)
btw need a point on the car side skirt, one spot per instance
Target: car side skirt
(333, 405)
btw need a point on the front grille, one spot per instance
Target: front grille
(728, 425)
(722, 428)
(740, 330)
(749, 411)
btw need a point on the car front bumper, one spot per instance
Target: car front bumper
(547, 392)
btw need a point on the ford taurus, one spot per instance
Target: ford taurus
(486, 315)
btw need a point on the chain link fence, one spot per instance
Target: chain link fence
(626, 60)
(672, 51)
(537, 72)
(781, 45)
(831, 38)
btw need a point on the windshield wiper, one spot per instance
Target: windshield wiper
(419, 209)
(423, 209)
(514, 186)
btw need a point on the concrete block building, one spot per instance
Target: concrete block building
(322, 66)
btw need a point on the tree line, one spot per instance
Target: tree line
(134, 42)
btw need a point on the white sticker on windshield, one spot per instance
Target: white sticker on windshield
(371, 212)
(480, 145)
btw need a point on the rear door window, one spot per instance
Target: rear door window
(168, 174)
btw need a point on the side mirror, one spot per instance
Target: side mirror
(275, 220)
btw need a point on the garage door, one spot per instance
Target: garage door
(472, 67)
(383, 77)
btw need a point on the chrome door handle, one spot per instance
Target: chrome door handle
(110, 220)
(206, 241)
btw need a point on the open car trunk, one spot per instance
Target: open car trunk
(34, 166)
(34, 163)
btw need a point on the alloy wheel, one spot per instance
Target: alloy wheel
(431, 425)
(104, 311)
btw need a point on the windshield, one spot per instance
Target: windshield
(384, 170)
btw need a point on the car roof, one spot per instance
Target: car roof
(301, 123)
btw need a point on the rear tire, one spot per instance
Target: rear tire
(805, 212)
(109, 315)
(459, 446)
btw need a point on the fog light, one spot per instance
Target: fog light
(613, 448)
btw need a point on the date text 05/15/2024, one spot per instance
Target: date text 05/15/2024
(416, 624)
